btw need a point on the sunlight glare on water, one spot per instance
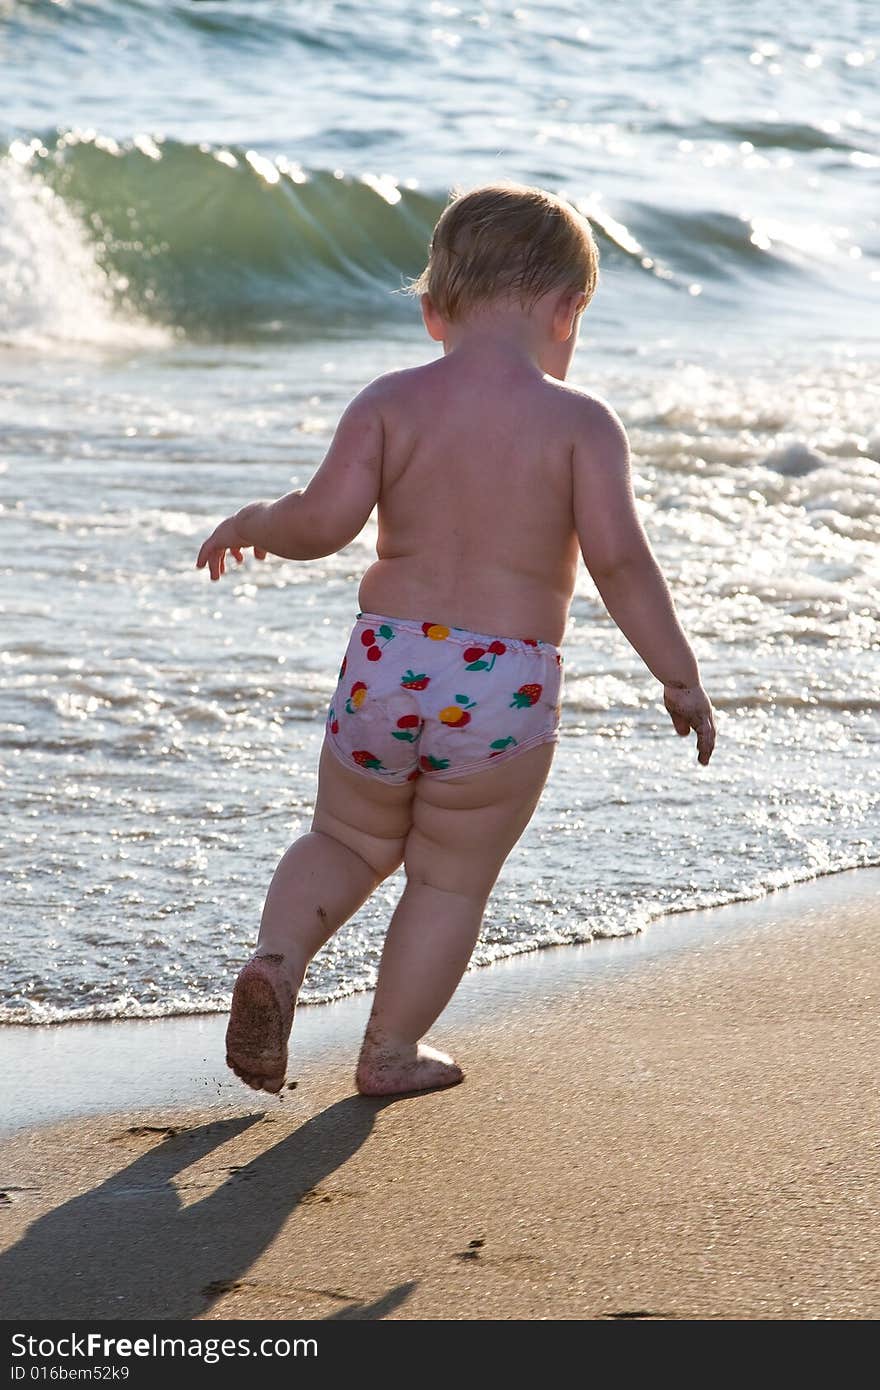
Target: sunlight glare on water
(196, 276)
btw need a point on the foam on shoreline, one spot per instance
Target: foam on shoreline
(53, 1074)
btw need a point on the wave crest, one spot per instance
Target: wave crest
(229, 243)
(52, 288)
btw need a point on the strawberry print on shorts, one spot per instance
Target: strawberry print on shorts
(418, 699)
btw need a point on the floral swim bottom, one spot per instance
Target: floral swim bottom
(419, 698)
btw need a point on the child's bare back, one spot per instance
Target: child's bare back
(476, 519)
(490, 476)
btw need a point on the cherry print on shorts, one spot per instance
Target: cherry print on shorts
(407, 728)
(356, 697)
(333, 721)
(432, 764)
(526, 696)
(499, 745)
(483, 658)
(412, 681)
(456, 716)
(367, 760)
(370, 638)
(436, 631)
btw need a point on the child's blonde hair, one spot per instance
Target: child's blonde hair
(506, 239)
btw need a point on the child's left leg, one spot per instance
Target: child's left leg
(357, 839)
(463, 830)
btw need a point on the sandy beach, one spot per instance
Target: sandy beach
(681, 1127)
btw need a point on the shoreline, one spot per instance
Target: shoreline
(107, 1066)
(691, 1138)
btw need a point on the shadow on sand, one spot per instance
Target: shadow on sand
(130, 1249)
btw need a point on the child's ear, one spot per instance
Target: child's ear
(434, 323)
(569, 308)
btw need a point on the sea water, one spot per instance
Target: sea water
(206, 212)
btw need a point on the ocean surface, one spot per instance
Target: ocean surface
(205, 212)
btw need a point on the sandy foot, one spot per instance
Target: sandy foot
(259, 1023)
(388, 1071)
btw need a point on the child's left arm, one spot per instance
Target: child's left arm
(323, 518)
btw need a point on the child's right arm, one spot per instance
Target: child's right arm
(328, 514)
(619, 558)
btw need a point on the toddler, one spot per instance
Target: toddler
(491, 476)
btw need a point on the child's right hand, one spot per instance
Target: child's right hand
(689, 708)
(226, 536)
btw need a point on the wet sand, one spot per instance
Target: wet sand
(684, 1127)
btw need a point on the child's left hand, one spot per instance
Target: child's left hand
(227, 536)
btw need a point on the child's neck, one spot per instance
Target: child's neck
(507, 340)
(508, 345)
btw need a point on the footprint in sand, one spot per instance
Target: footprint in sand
(639, 1314)
(138, 1132)
(319, 1194)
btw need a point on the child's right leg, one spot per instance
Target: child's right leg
(462, 831)
(357, 839)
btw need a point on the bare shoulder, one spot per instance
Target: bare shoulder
(597, 432)
(379, 402)
(393, 386)
(367, 414)
(376, 393)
